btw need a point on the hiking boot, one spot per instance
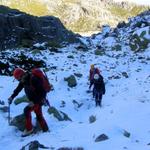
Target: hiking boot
(27, 132)
(99, 103)
(45, 129)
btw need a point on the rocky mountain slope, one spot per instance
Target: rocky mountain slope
(79, 15)
(133, 36)
(19, 29)
(122, 123)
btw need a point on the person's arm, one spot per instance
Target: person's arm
(15, 92)
(91, 83)
(90, 74)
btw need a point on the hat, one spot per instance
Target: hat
(18, 73)
(96, 76)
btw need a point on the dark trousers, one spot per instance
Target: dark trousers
(98, 98)
(38, 111)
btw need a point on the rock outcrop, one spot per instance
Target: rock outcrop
(21, 29)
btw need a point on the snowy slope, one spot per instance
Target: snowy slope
(125, 106)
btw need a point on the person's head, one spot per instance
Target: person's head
(96, 76)
(92, 66)
(18, 73)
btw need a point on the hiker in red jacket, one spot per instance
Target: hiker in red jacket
(93, 71)
(36, 95)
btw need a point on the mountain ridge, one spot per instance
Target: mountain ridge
(77, 15)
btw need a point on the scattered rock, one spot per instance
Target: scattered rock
(79, 75)
(61, 116)
(125, 74)
(126, 134)
(2, 102)
(71, 81)
(19, 122)
(101, 137)
(99, 52)
(77, 104)
(92, 119)
(4, 109)
(21, 100)
(34, 145)
(63, 103)
(70, 56)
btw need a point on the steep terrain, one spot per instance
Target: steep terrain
(19, 29)
(123, 121)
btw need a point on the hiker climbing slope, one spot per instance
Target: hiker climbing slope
(99, 88)
(36, 94)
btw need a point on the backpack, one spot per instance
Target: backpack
(40, 74)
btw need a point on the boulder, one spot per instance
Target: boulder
(34, 145)
(71, 81)
(61, 116)
(101, 137)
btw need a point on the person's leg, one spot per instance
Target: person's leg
(96, 98)
(28, 122)
(100, 99)
(94, 92)
(40, 118)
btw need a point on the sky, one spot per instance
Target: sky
(125, 105)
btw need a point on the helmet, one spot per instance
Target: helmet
(96, 76)
(18, 73)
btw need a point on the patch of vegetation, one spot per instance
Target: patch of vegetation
(143, 34)
(126, 13)
(118, 11)
(138, 43)
(99, 52)
(116, 48)
(84, 24)
(31, 7)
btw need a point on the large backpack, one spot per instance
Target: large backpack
(40, 74)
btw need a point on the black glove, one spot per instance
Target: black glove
(10, 99)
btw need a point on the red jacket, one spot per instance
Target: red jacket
(35, 95)
(93, 72)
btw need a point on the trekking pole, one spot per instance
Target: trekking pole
(9, 113)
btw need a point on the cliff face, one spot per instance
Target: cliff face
(21, 29)
(79, 15)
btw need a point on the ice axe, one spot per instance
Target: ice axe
(8, 113)
(3, 103)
